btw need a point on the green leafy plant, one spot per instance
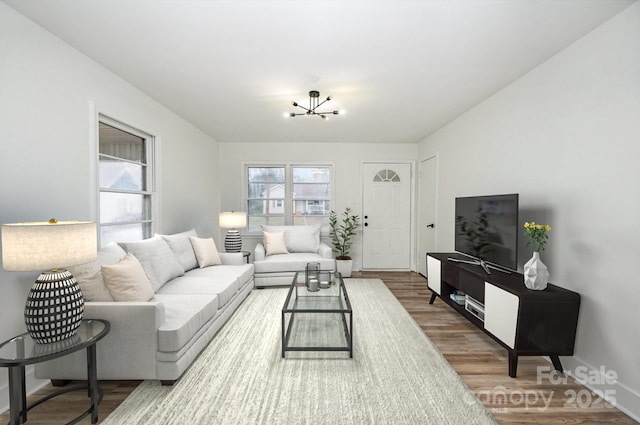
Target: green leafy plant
(538, 235)
(341, 233)
(476, 233)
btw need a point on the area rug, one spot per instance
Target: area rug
(396, 375)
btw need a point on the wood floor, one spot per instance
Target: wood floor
(481, 363)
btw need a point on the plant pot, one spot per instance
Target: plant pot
(344, 267)
(536, 274)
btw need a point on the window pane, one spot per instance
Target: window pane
(263, 190)
(266, 207)
(119, 143)
(309, 219)
(311, 175)
(256, 222)
(272, 199)
(124, 233)
(124, 207)
(311, 207)
(266, 174)
(116, 174)
(311, 191)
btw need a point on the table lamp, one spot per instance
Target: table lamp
(233, 220)
(55, 305)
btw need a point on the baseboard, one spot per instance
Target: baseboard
(611, 390)
(33, 384)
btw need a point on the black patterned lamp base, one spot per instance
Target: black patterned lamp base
(54, 308)
(233, 242)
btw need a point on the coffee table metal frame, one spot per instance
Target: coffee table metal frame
(296, 303)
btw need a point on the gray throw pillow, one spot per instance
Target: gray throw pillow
(181, 247)
(158, 261)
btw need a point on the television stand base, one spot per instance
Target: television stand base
(485, 266)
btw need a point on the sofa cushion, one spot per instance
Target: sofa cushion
(182, 248)
(89, 275)
(225, 289)
(206, 251)
(157, 259)
(242, 274)
(303, 238)
(274, 243)
(127, 280)
(295, 262)
(184, 316)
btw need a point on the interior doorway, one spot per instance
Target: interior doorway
(427, 198)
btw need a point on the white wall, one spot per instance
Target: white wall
(47, 152)
(566, 136)
(347, 159)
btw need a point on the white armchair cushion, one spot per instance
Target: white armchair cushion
(304, 238)
(274, 243)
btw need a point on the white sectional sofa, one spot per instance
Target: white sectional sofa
(286, 250)
(160, 337)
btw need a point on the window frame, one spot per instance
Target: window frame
(288, 166)
(149, 166)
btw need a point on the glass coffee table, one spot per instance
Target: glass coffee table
(317, 321)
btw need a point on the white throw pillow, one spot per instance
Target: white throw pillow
(182, 248)
(274, 243)
(206, 251)
(302, 238)
(127, 280)
(157, 259)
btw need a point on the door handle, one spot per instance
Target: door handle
(432, 225)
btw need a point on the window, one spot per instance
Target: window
(288, 194)
(125, 162)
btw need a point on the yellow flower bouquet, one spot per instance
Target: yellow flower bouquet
(538, 235)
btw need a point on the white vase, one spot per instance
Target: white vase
(536, 274)
(344, 267)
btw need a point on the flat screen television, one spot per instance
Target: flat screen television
(487, 230)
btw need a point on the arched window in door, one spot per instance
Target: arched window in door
(386, 176)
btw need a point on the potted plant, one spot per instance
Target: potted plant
(536, 273)
(341, 234)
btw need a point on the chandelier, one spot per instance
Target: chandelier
(314, 104)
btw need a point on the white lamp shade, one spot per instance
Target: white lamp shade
(233, 220)
(45, 245)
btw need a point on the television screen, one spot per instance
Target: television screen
(487, 228)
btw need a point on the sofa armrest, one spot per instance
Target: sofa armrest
(325, 250)
(128, 350)
(232, 258)
(259, 253)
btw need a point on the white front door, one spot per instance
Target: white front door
(386, 216)
(426, 212)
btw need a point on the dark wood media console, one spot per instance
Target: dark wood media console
(525, 322)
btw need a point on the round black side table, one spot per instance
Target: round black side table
(21, 351)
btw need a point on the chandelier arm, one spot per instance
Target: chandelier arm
(305, 109)
(321, 103)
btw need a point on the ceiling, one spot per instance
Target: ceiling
(400, 69)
